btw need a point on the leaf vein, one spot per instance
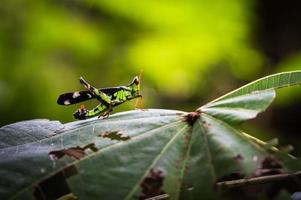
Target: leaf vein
(156, 159)
(209, 154)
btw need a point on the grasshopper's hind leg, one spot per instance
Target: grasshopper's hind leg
(88, 86)
(99, 94)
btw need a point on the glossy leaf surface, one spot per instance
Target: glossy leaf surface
(139, 154)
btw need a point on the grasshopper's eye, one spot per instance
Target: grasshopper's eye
(136, 80)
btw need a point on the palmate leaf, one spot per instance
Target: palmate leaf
(249, 100)
(143, 153)
(238, 109)
(274, 81)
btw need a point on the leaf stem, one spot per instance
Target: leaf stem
(257, 180)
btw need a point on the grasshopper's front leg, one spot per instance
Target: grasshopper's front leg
(106, 114)
(99, 94)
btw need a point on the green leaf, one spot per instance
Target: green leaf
(237, 109)
(38, 130)
(247, 101)
(275, 81)
(143, 153)
(162, 151)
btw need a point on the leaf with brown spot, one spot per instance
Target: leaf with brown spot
(151, 185)
(205, 142)
(191, 117)
(56, 186)
(270, 162)
(270, 165)
(114, 135)
(74, 152)
(238, 158)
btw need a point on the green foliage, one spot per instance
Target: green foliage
(46, 45)
(284, 79)
(143, 153)
(240, 108)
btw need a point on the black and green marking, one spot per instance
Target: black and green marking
(108, 97)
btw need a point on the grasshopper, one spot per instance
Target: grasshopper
(108, 98)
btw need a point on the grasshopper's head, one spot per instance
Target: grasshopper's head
(135, 87)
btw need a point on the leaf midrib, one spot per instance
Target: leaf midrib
(236, 131)
(208, 152)
(156, 159)
(184, 165)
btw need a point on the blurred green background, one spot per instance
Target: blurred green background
(190, 52)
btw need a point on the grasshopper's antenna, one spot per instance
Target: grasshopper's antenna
(139, 77)
(140, 74)
(137, 102)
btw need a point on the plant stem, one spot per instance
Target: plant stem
(257, 180)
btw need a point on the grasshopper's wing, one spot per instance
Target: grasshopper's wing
(77, 97)
(111, 90)
(74, 97)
